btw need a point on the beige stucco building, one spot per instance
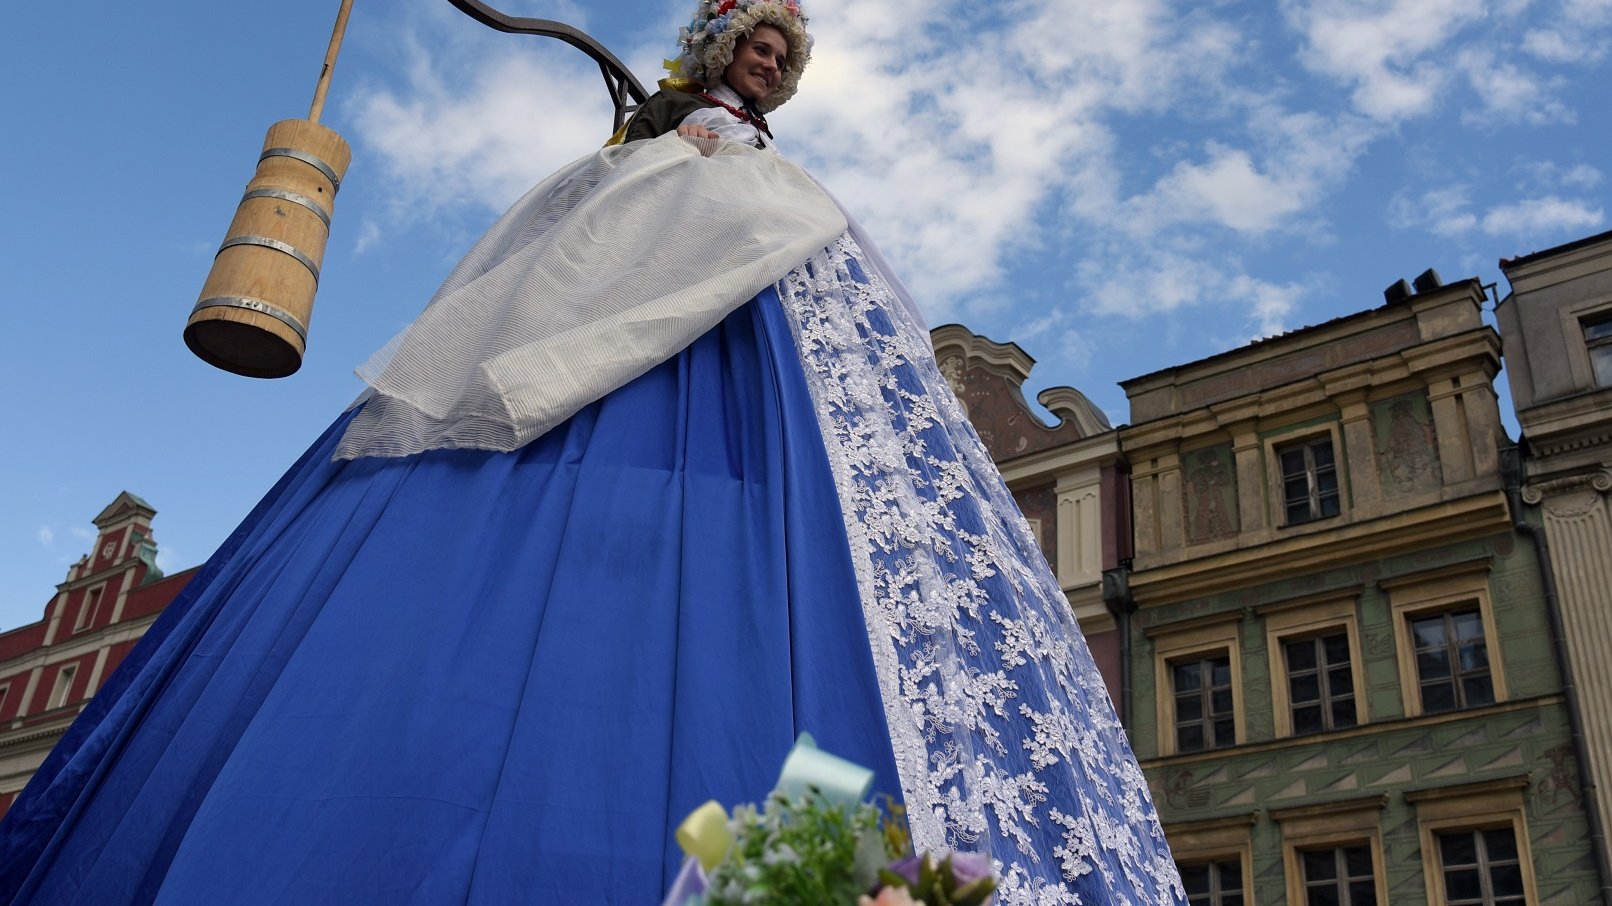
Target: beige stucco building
(1556, 327)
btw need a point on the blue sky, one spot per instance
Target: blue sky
(1117, 186)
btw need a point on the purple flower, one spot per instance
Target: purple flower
(966, 867)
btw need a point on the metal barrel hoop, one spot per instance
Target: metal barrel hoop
(294, 198)
(309, 159)
(278, 246)
(257, 305)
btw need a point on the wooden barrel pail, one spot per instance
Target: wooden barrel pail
(252, 318)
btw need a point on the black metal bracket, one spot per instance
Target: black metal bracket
(619, 81)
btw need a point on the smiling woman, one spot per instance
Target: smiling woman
(664, 475)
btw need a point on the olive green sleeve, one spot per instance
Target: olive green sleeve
(662, 113)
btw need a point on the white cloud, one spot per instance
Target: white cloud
(369, 236)
(1582, 176)
(943, 141)
(46, 536)
(1577, 33)
(1448, 211)
(1149, 282)
(1382, 49)
(1548, 216)
(1549, 175)
(169, 561)
(1228, 190)
(1269, 304)
(1444, 212)
(1077, 348)
(1510, 93)
(482, 128)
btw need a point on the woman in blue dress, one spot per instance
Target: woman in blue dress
(663, 476)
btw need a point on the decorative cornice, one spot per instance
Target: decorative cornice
(1042, 465)
(1201, 825)
(1471, 517)
(1543, 448)
(1481, 564)
(1534, 492)
(1006, 359)
(1369, 730)
(1349, 593)
(11, 742)
(1497, 785)
(1376, 802)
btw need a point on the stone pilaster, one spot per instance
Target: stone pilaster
(1578, 526)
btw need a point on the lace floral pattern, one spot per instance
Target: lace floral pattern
(1004, 734)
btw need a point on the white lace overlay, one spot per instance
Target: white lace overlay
(1004, 734)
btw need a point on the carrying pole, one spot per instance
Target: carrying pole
(323, 87)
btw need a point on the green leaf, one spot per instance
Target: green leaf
(926, 875)
(974, 893)
(888, 878)
(948, 880)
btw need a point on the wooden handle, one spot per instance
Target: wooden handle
(330, 61)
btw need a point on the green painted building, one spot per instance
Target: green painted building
(1341, 673)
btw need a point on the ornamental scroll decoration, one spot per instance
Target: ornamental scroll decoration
(1586, 489)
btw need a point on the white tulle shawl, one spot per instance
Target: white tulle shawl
(605, 269)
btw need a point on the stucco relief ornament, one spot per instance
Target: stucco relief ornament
(1572, 496)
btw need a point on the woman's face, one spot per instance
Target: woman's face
(758, 63)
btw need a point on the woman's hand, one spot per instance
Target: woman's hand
(696, 132)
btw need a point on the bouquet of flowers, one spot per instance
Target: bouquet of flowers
(815, 841)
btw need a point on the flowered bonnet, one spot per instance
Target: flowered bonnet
(706, 43)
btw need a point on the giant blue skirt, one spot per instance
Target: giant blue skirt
(481, 677)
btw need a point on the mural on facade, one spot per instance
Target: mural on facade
(1407, 448)
(1211, 490)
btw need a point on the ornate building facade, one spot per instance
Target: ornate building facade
(1344, 688)
(50, 669)
(1556, 326)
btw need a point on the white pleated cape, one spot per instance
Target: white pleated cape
(612, 265)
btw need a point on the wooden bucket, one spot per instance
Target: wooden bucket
(252, 318)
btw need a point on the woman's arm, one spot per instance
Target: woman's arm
(663, 113)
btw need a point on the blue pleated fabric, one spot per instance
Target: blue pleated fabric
(481, 677)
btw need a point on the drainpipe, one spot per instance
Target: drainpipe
(1511, 469)
(1117, 598)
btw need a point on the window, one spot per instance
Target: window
(1314, 648)
(1215, 858)
(1309, 480)
(1320, 683)
(1442, 623)
(1213, 883)
(1198, 677)
(64, 686)
(1341, 876)
(1452, 660)
(1332, 853)
(1598, 339)
(1474, 843)
(1481, 867)
(87, 608)
(1205, 717)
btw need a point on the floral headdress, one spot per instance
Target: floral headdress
(706, 43)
